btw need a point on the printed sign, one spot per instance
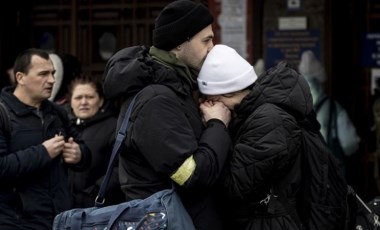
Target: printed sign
(289, 45)
(370, 52)
(232, 21)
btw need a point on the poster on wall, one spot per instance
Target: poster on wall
(233, 26)
(288, 46)
(370, 52)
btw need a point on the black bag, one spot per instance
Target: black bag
(325, 202)
(325, 191)
(162, 210)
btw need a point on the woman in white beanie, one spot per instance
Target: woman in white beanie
(336, 126)
(265, 164)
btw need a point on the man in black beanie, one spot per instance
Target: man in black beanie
(168, 140)
(177, 23)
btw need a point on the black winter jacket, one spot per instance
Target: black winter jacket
(98, 132)
(34, 187)
(165, 129)
(266, 155)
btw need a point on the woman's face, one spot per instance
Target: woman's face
(85, 101)
(230, 100)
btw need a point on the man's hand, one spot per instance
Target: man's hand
(71, 152)
(215, 110)
(54, 146)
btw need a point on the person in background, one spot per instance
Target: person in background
(58, 75)
(259, 67)
(67, 68)
(336, 126)
(7, 77)
(167, 142)
(96, 121)
(35, 154)
(265, 162)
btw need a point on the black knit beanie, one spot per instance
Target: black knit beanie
(178, 22)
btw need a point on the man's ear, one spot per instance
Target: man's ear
(20, 78)
(176, 50)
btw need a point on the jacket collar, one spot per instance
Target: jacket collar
(18, 107)
(169, 59)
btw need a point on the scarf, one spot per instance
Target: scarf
(170, 60)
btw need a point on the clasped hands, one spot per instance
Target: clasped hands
(70, 150)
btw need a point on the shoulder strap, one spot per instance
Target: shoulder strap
(318, 106)
(99, 201)
(5, 120)
(332, 120)
(335, 117)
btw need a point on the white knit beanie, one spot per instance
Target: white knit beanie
(311, 68)
(225, 71)
(58, 66)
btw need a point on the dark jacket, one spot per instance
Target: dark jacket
(98, 132)
(266, 155)
(164, 130)
(34, 187)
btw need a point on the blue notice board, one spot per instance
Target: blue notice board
(370, 51)
(289, 45)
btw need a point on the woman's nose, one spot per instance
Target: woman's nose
(83, 100)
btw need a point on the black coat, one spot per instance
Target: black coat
(165, 129)
(98, 132)
(266, 153)
(34, 187)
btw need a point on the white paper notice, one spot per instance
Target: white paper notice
(233, 24)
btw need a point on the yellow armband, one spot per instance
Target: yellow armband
(184, 172)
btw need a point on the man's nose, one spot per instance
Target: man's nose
(51, 78)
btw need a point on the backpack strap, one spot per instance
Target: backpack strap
(333, 140)
(332, 120)
(318, 106)
(117, 148)
(5, 120)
